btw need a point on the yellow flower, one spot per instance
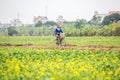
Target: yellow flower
(108, 78)
(6, 53)
(102, 73)
(105, 59)
(42, 72)
(52, 78)
(117, 72)
(75, 73)
(14, 60)
(7, 60)
(6, 78)
(93, 75)
(37, 77)
(86, 78)
(110, 72)
(43, 69)
(42, 50)
(114, 61)
(17, 69)
(60, 60)
(3, 72)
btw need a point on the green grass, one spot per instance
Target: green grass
(49, 40)
(35, 40)
(97, 40)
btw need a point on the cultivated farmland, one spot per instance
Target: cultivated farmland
(38, 58)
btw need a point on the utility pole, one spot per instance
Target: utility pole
(46, 10)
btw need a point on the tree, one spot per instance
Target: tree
(12, 31)
(111, 18)
(96, 20)
(80, 23)
(39, 24)
(50, 23)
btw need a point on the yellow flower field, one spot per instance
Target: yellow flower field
(39, 64)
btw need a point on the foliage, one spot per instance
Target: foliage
(3, 32)
(111, 18)
(95, 20)
(12, 31)
(39, 24)
(92, 30)
(32, 31)
(80, 23)
(35, 64)
(50, 23)
(47, 23)
(70, 29)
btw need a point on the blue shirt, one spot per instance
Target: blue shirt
(58, 31)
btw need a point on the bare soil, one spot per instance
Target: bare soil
(67, 46)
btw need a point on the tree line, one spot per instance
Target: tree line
(109, 27)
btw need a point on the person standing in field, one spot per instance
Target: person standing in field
(58, 31)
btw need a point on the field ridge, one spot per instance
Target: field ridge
(67, 46)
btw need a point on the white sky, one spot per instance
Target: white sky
(69, 9)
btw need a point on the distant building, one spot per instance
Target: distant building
(114, 12)
(4, 25)
(100, 17)
(16, 23)
(39, 19)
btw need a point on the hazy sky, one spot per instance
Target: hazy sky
(69, 9)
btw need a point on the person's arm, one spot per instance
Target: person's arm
(61, 30)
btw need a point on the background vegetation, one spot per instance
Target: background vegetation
(109, 27)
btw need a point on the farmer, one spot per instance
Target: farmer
(58, 30)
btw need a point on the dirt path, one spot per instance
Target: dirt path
(92, 47)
